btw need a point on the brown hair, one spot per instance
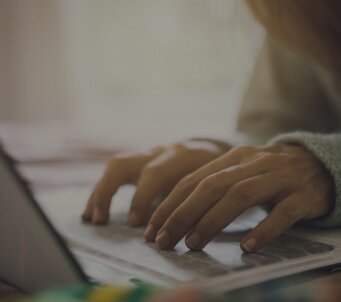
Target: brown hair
(309, 26)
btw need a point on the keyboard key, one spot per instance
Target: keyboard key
(243, 266)
(193, 264)
(286, 253)
(213, 271)
(317, 247)
(260, 258)
(287, 241)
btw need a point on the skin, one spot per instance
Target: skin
(210, 185)
(154, 172)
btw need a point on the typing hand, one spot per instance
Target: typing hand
(154, 173)
(286, 177)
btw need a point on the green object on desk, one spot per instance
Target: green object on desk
(96, 293)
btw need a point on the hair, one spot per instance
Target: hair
(312, 27)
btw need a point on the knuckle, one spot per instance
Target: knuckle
(116, 168)
(244, 149)
(116, 164)
(270, 148)
(116, 160)
(181, 147)
(156, 150)
(153, 170)
(268, 157)
(240, 192)
(278, 157)
(186, 185)
(275, 148)
(209, 184)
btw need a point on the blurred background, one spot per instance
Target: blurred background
(126, 71)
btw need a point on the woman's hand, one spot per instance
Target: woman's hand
(155, 173)
(288, 177)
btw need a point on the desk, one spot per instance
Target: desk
(324, 289)
(37, 173)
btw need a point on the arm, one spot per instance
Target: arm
(297, 182)
(284, 96)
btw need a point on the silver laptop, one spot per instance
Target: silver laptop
(35, 257)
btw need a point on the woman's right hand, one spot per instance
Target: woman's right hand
(154, 173)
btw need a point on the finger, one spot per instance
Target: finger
(285, 214)
(206, 195)
(241, 196)
(120, 170)
(87, 213)
(161, 174)
(97, 208)
(186, 186)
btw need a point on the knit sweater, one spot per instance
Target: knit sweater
(291, 99)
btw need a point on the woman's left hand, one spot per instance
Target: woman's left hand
(288, 177)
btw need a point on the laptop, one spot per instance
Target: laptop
(45, 245)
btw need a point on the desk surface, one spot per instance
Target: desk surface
(35, 172)
(324, 289)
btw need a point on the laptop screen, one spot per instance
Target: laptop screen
(33, 257)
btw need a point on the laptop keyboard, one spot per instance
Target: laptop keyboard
(203, 264)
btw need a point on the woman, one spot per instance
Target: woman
(291, 161)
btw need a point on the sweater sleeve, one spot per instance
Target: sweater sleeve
(327, 148)
(285, 94)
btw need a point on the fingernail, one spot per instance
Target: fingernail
(133, 219)
(149, 234)
(249, 245)
(98, 217)
(193, 241)
(163, 239)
